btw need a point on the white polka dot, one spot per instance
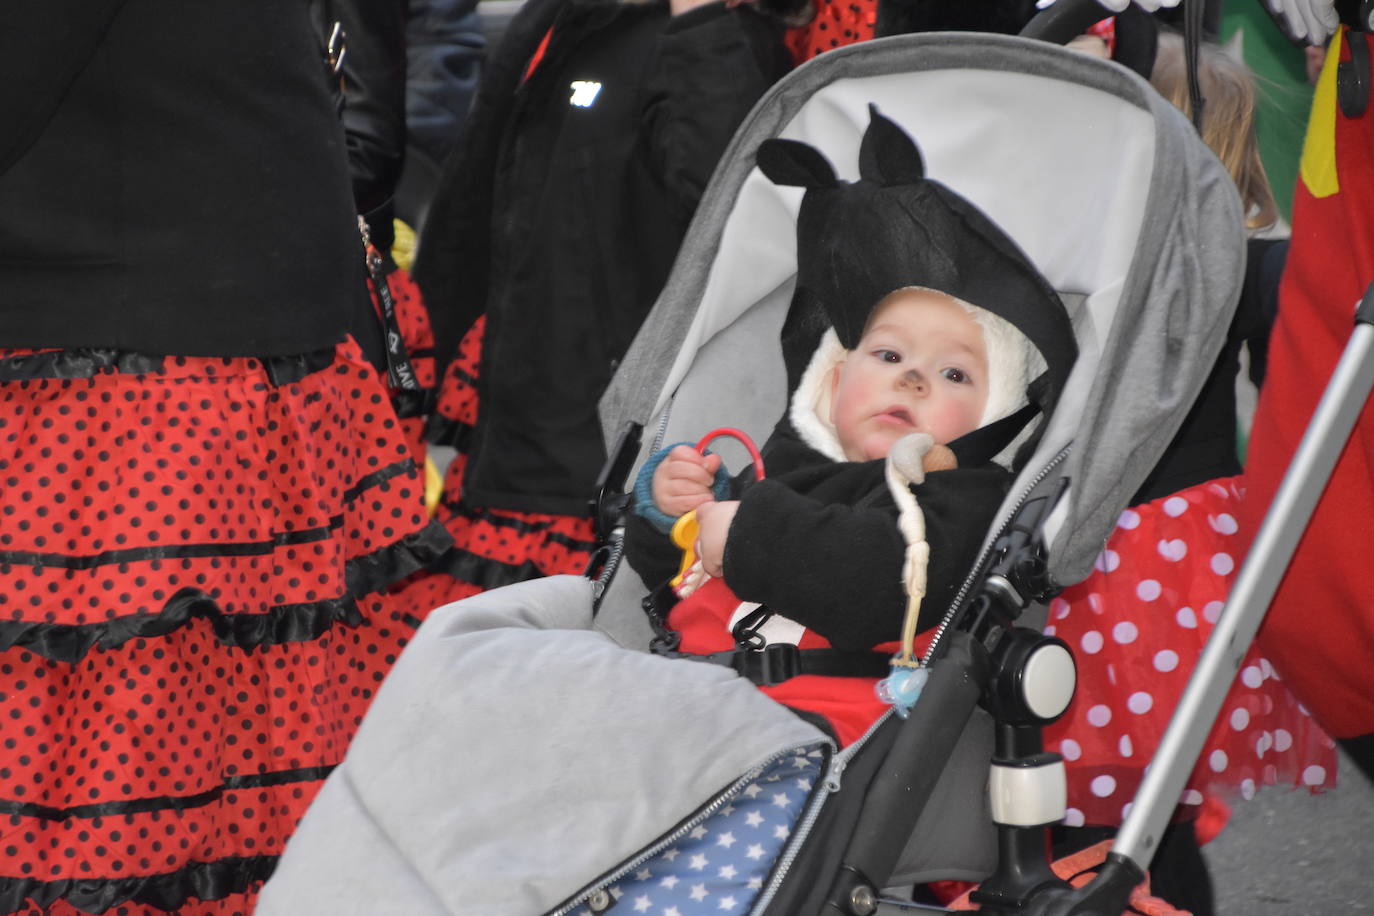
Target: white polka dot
(1263, 744)
(1124, 746)
(1091, 642)
(1073, 818)
(1166, 660)
(1129, 519)
(1095, 602)
(1147, 590)
(1050, 631)
(1175, 506)
(1192, 797)
(1251, 677)
(1222, 564)
(1125, 632)
(1282, 740)
(1314, 776)
(1102, 786)
(1217, 761)
(1070, 749)
(1059, 608)
(1107, 561)
(1099, 716)
(1247, 789)
(1212, 610)
(1126, 810)
(1240, 718)
(1223, 523)
(1172, 550)
(1266, 705)
(1140, 703)
(1187, 618)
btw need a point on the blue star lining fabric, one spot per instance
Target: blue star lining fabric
(720, 865)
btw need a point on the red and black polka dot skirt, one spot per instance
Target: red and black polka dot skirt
(492, 547)
(194, 554)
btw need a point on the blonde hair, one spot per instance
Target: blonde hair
(1228, 122)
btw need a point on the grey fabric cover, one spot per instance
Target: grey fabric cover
(512, 756)
(1101, 181)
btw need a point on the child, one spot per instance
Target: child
(818, 540)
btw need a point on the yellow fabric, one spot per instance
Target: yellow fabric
(434, 486)
(1318, 166)
(403, 248)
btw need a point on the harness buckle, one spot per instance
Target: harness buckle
(770, 665)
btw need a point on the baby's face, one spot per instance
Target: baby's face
(921, 366)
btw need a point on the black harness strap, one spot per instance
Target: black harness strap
(767, 665)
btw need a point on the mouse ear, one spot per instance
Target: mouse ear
(888, 155)
(795, 164)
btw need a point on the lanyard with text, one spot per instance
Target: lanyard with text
(398, 368)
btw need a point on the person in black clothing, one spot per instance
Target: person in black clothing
(202, 479)
(593, 136)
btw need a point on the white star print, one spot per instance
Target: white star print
(753, 819)
(755, 851)
(671, 855)
(698, 892)
(755, 883)
(753, 791)
(698, 862)
(727, 903)
(643, 874)
(727, 811)
(726, 839)
(642, 903)
(779, 800)
(671, 911)
(780, 832)
(698, 832)
(728, 872)
(669, 882)
(804, 784)
(799, 762)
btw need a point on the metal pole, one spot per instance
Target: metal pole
(1255, 586)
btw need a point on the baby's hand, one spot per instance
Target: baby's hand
(714, 521)
(682, 481)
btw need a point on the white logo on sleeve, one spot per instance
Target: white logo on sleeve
(584, 93)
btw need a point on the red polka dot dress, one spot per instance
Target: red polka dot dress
(1137, 626)
(837, 23)
(190, 554)
(492, 547)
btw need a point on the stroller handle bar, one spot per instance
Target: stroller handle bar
(1065, 20)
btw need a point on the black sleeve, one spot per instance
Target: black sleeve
(650, 552)
(837, 570)
(44, 46)
(713, 65)
(374, 75)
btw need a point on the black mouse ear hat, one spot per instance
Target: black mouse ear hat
(894, 228)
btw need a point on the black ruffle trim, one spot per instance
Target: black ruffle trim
(199, 880)
(285, 623)
(74, 363)
(441, 430)
(392, 563)
(484, 572)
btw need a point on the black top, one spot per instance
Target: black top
(562, 214)
(172, 180)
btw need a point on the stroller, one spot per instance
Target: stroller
(466, 790)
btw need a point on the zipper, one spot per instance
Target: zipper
(833, 777)
(684, 828)
(987, 552)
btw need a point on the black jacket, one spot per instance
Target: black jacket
(817, 541)
(560, 220)
(172, 180)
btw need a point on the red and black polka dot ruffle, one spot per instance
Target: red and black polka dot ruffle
(193, 554)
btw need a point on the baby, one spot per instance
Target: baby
(883, 341)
